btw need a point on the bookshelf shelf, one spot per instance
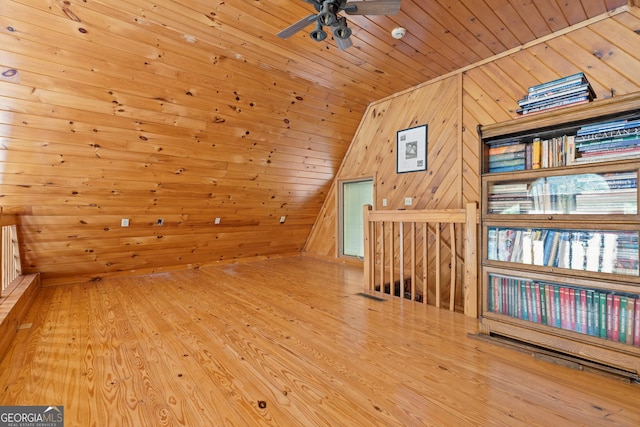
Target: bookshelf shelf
(560, 230)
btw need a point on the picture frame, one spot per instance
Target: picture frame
(411, 149)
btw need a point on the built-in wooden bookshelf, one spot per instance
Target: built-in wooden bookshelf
(560, 231)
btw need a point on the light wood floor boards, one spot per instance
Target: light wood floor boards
(283, 342)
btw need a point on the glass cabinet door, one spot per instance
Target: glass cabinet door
(604, 251)
(587, 193)
(607, 314)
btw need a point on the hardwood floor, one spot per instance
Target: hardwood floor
(283, 342)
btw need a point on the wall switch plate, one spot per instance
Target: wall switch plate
(124, 222)
(408, 201)
(282, 218)
(216, 221)
(384, 202)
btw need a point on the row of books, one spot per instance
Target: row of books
(611, 140)
(509, 198)
(565, 91)
(608, 315)
(568, 194)
(599, 251)
(603, 141)
(537, 154)
(619, 201)
(508, 157)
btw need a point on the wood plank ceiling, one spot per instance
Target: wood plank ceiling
(191, 110)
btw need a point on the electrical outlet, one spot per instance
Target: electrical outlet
(216, 221)
(282, 218)
(384, 202)
(124, 222)
(408, 201)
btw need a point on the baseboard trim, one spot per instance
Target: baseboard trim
(559, 358)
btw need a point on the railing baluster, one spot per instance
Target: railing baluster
(368, 239)
(438, 249)
(401, 255)
(382, 255)
(425, 262)
(452, 286)
(413, 261)
(391, 258)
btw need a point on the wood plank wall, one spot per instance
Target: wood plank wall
(106, 114)
(605, 48)
(111, 118)
(373, 154)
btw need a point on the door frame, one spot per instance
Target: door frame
(339, 222)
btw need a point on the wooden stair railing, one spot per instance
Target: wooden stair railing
(18, 290)
(385, 233)
(10, 257)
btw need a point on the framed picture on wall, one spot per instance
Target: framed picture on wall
(411, 149)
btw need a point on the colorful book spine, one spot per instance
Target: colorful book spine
(615, 320)
(630, 311)
(507, 168)
(505, 149)
(557, 300)
(583, 311)
(602, 314)
(572, 309)
(609, 306)
(636, 324)
(608, 315)
(540, 289)
(494, 164)
(513, 155)
(592, 315)
(622, 327)
(564, 308)
(537, 302)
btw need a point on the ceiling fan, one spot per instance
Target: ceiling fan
(328, 15)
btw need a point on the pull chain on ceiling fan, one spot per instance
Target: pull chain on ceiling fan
(328, 16)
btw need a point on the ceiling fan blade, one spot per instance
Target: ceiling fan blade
(297, 26)
(372, 7)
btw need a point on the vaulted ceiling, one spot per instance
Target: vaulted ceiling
(442, 36)
(194, 109)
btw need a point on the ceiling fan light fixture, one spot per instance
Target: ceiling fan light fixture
(341, 31)
(318, 34)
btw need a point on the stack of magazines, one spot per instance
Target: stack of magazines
(570, 90)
